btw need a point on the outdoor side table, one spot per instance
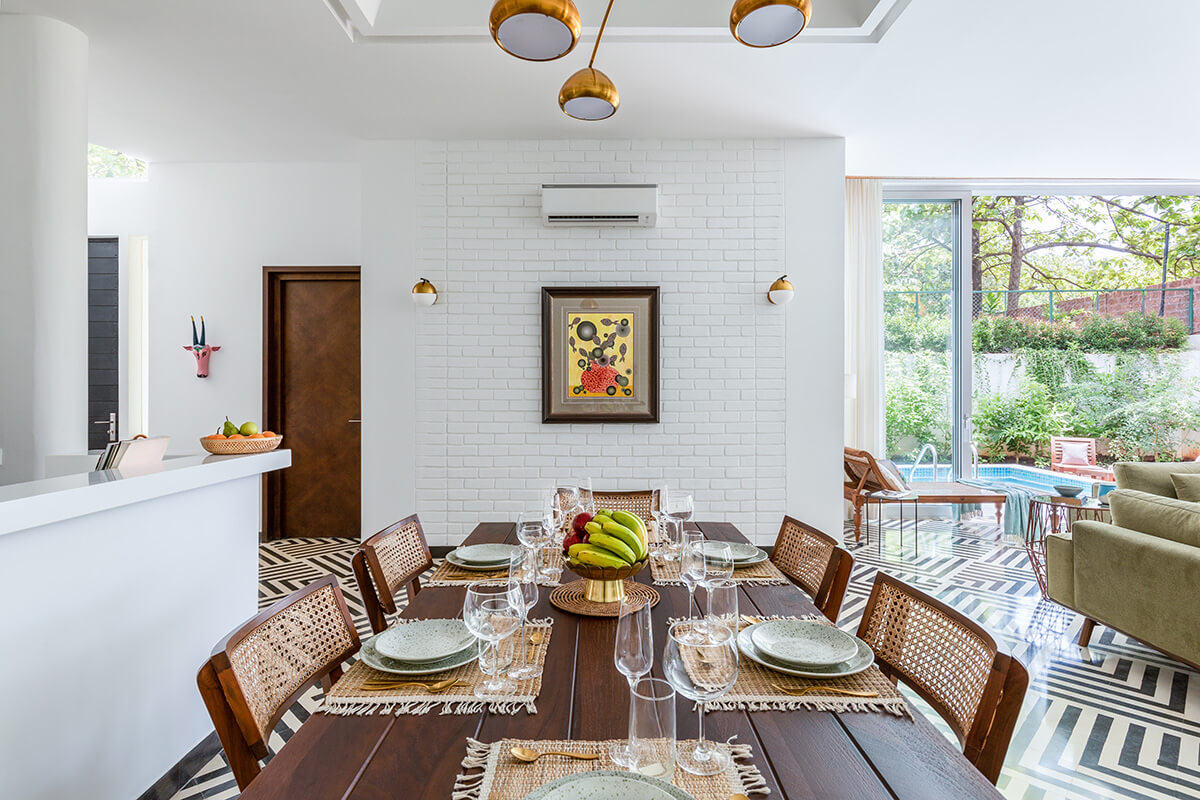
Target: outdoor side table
(1053, 514)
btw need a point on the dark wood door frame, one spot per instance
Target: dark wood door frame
(273, 278)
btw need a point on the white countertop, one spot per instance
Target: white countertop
(36, 503)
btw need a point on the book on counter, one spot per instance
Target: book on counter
(133, 453)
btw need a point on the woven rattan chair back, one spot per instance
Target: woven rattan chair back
(814, 561)
(259, 670)
(951, 662)
(390, 559)
(641, 504)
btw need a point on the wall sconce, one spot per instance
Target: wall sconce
(780, 293)
(424, 293)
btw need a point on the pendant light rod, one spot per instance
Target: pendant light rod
(600, 35)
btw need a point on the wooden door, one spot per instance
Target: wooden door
(311, 386)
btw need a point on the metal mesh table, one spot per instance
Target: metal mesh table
(1052, 514)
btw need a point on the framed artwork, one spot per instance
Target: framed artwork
(600, 354)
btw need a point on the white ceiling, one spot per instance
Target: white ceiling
(1024, 88)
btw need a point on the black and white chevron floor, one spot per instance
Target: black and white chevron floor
(1117, 720)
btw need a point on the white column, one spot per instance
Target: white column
(43, 243)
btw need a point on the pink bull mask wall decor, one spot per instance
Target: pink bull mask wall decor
(200, 350)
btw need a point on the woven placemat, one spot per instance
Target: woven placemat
(666, 573)
(569, 597)
(447, 574)
(491, 773)
(756, 687)
(348, 698)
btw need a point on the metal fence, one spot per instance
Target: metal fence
(1050, 304)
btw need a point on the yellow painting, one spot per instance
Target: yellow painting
(600, 354)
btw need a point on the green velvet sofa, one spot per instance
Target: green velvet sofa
(1139, 575)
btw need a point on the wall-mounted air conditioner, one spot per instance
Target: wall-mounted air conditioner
(613, 205)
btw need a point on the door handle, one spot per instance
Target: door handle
(354, 420)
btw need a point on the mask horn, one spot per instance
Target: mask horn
(202, 330)
(195, 341)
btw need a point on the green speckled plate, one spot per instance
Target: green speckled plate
(486, 555)
(424, 640)
(803, 644)
(373, 659)
(607, 784)
(743, 554)
(861, 660)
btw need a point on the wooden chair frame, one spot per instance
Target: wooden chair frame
(831, 591)
(379, 596)
(232, 718)
(626, 501)
(1091, 470)
(985, 744)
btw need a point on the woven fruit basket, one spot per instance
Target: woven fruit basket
(240, 447)
(606, 584)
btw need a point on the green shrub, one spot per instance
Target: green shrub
(1131, 332)
(1134, 332)
(1021, 423)
(906, 333)
(916, 396)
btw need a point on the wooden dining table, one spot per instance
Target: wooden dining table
(802, 754)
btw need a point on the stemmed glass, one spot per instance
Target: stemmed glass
(691, 572)
(701, 671)
(535, 532)
(679, 509)
(658, 504)
(586, 502)
(523, 596)
(633, 653)
(490, 615)
(564, 504)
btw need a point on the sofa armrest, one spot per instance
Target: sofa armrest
(1143, 585)
(1060, 569)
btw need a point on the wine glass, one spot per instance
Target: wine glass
(586, 502)
(490, 615)
(691, 569)
(658, 502)
(701, 671)
(633, 654)
(564, 505)
(679, 510)
(532, 530)
(523, 596)
(722, 604)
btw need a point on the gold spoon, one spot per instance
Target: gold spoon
(753, 621)
(529, 756)
(738, 796)
(536, 637)
(826, 689)
(435, 687)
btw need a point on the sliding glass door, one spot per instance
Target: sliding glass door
(927, 359)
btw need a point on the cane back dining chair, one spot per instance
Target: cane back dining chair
(814, 561)
(392, 558)
(260, 669)
(641, 504)
(951, 662)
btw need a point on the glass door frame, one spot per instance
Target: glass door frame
(961, 303)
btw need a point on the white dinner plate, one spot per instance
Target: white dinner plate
(744, 554)
(861, 660)
(608, 784)
(424, 640)
(492, 555)
(803, 644)
(373, 659)
(467, 565)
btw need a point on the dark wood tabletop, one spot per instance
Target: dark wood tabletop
(802, 754)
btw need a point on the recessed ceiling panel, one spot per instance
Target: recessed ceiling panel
(400, 21)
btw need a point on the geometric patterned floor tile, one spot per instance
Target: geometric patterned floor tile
(1114, 720)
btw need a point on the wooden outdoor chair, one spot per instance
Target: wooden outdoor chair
(392, 558)
(259, 670)
(1089, 470)
(814, 561)
(863, 478)
(951, 662)
(641, 503)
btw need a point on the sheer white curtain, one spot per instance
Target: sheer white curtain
(864, 315)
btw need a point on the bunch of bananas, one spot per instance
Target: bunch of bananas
(608, 539)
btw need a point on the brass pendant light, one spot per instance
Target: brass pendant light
(589, 94)
(536, 30)
(767, 23)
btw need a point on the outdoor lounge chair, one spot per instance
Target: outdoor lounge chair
(1075, 449)
(867, 479)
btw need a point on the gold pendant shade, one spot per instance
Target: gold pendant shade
(767, 23)
(536, 30)
(589, 95)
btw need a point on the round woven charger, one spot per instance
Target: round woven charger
(240, 447)
(569, 597)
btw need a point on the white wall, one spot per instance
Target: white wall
(734, 216)
(43, 247)
(212, 228)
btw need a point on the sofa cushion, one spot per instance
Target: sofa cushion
(1164, 517)
(1187, 486)
(1152, 477)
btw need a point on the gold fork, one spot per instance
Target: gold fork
(432, 688)
(826, 689)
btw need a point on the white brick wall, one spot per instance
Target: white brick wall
(482, 452)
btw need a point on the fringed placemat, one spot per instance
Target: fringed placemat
(491, 773)
(759, 688)
(666, 573)
(447, 574)
(349, 698)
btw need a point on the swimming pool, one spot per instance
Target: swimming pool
(1031, 477)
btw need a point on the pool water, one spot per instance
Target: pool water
(1030, 477)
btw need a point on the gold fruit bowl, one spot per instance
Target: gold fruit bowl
(240, 447)
(605, 584)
